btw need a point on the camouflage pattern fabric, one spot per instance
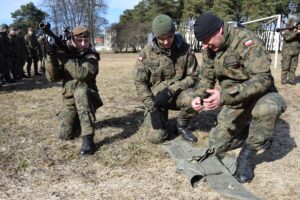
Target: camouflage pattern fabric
(42, 42)
(289, 54)
(34, 53)
(6, 56)
(80, 92)
(24, 54)
(261, 114)
(175, 69)
(15, 55)
(242, 68)
(1, 60)
(182, 104)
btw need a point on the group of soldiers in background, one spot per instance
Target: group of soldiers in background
(16, 50)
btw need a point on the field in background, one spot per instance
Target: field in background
(35, 164)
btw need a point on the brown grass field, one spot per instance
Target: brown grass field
(35, 164)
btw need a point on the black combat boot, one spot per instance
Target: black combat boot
(186, 134)
(292, 82)
(88, 145)
(245, 164)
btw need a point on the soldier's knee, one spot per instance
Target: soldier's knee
(156, 136)
(80, 90)
(269, 110)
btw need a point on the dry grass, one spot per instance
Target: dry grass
(34, 164)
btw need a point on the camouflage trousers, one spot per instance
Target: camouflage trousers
(34, 59)
(253, 124)
(181, 103)
(289, 65)
(78, 114)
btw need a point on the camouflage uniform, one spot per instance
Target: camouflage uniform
(6, 56)
(15, 56)
(24, 54)
(42, 42)
(290, 54)
(1, 61)
(248, 95)
(34, 53)
(157, 69)
(80, 93)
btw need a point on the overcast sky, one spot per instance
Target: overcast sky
(115, 8)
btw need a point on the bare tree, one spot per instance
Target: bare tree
(78, 12)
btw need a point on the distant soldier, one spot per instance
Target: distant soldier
(78, 73)
(164, 74)
(6, 54)
(1, 61)
(290, 53)
(237, 59)
(24, 54)
(34, 52)
(42, 42)
(15, 53)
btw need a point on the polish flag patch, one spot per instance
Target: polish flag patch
(248, 43)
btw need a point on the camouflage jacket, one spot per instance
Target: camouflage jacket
(158, 68)
(291, 42)
(241, 66)
(23, 46)
(33, 46)
(16, 50)
(81, 67)
(6, 44)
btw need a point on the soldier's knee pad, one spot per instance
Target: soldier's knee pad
(156, 136)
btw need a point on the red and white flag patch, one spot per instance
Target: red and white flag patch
(248, 43)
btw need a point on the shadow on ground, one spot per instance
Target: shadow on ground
(28, 84)
(129, 123)
(282, 144)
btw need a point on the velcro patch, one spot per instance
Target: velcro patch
(248, 43)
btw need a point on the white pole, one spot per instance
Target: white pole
(277, 38)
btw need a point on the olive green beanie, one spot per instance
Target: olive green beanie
(162, 25)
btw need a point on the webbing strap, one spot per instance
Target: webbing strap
(199, 164)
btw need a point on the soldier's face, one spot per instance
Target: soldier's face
(214, 42)
(166, 40)
(81, 42)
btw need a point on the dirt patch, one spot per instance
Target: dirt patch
(35, 164)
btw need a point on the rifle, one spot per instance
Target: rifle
(60, 43)
(295, 26)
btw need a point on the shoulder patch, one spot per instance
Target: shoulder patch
(249, 43)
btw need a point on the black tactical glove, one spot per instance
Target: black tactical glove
(51, 49)
(157, 119)
(163, 98)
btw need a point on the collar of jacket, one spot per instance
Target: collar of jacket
(227, 39)
(178, 40)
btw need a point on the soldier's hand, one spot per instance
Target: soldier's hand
(197, 104)
(157, 119)
(163, 98)
(51, 49)
(214, 100)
